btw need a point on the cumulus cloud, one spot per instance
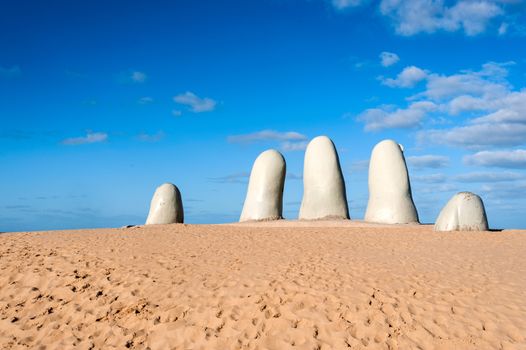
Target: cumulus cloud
(507, 191)
(473, 16)
(411, 17)
(495, 113)
(10, 72)
(289, 146)
(489, 82)
(503, 159)
(476, 135)
(510, 108)
(470, 17)
(489, 177)
(194, 103)
(289, 141)
(386, 117)
(265, 135)
(91, 137)
(428, 161)
(388, 58)
(467, 103)
(437, 188)
(504, 123)
(408, 78)
(430, 179)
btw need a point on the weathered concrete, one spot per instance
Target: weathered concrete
(390, 199)
(264, 200)
(323, 185)
(166, 206)
(464, 212)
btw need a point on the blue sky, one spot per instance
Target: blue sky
(101, 102)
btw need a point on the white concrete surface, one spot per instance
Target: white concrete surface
(323, 185)
(464, 212)
(166, 206)
(390, 198)
(264, 199)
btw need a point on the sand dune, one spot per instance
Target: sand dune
(275, 285)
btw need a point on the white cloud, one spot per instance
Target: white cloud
(145, 100)
(504, 123)
(411, 17)
(510, 108)
(490, 112)
(177, 113)
(437, 188)
(507, 191)
(385, 118)
(266, 135)
(344, 4)
(289, 146)
(138, 77)
(489, 177)
(11, 72)
(195, 103)
(477, 135)
(430, 179)
(91, 137)
(388, 58)
(496, 114)
(289, 141)
(428, 161)
(466, 91)
(360, 165)
(503, 159)
(408, 78)
(489, 82)
(471, 17)
(467, 103)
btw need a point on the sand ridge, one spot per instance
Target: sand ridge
(259, 286)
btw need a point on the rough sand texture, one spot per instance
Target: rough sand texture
(263, 287)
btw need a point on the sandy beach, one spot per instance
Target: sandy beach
(274, 285)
